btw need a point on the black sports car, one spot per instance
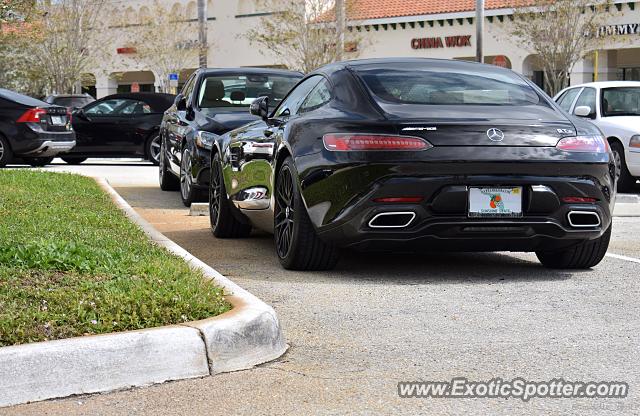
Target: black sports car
(32, 130)
(212, 102)
(119, 125)
(416, 154)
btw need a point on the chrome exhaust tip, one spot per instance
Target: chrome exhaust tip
(392, 219)
(583, 219)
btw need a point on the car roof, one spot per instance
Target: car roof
(608, 84)
(403, 62)
(252, 70)
(158, 101)
(69, 96)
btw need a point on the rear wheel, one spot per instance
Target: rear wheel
(582, 256)
(38, 162)
(626, 182)
(73, 160)
(5, 152)
(188, 192)
(168, 182)
(153, 149)
(223, 223)
(297, 244)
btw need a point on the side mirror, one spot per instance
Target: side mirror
(180, 102)
(260, 107)
(583, 111)
(79, 112)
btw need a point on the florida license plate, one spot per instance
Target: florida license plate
(58, 120)
(495, 202)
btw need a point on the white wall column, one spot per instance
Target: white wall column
(105, 85)
(582, 71)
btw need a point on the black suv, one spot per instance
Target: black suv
(32, 129)
(212, 102)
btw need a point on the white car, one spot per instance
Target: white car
(613, 106)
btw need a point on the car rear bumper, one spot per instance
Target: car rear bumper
(50, 148)
(441, 221)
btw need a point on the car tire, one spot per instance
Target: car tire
(73, 160)
(168, 181)
(582, 256)
(626, 182)
(188, 193)
(38, 162)
(298, 246)
(153, 148)
(6, 155)
(223, 223)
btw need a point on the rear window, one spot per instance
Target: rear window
(431, 87)
(72, 101)
(241, 90)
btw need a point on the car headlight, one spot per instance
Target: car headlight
(205, 140)
(634, 143)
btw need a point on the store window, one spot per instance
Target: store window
(629, 74)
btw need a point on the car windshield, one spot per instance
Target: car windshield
(621, 101)
(239, 91)
(453, 87)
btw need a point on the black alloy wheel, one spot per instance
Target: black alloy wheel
(168, 182)
(223, 223)
(297, 244)
(153, 149)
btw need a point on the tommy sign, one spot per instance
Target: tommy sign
(615, 30)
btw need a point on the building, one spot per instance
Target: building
(414, 28)
(227, 22)
(446, 29)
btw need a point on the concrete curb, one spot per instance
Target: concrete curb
(246, 336)
(626, 210)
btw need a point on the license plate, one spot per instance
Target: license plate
(495, 202)
(58, 120)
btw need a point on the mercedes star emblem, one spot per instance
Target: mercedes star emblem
(495, 135)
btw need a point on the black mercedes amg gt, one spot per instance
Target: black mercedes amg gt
(417, 154)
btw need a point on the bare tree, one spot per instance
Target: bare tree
(560, 33)
(70, 41)
(302, 34)
(164, 42)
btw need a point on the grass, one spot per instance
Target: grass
(72, 264)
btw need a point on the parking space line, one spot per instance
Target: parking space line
(619, 257)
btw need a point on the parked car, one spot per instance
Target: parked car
(119, 125)
(32, 130)
(212, 102)
(71, 101)
(414, 154)
(613, 106)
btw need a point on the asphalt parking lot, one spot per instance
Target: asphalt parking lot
(357, 331)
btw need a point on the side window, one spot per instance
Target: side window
(588, 98)
(297, 96)
(567, 98)
(113, 107)
(188, 87)
(317, 98)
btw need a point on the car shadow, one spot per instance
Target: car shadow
(254, 258)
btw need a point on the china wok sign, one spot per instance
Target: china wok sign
(441, 42)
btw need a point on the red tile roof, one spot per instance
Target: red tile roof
(379, 9)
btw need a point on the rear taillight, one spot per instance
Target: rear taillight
(32, 115)
(364, 142)
(589, 144)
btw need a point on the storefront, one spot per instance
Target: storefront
(447, 30)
